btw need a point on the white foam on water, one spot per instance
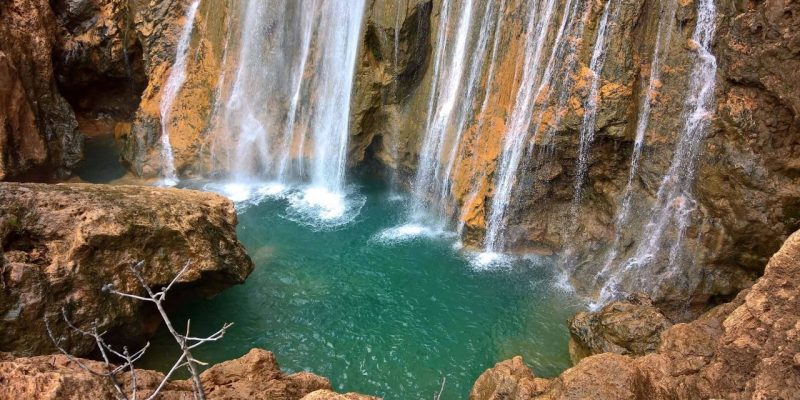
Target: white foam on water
(406, 233)
(247, 193)
(489, 260)
(167, 182)
(321, 209)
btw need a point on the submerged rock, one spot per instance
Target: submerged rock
(745, 349)
(254, 376)
(62, 243)
(630, 327)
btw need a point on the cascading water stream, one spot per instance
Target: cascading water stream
(282, 125)
(458, 66)
(431, 179)
(587, 131)
(340, 25)
(290, 136)
(175, 80)
(485, 103)
(476, 68)
(663, 39)
(674, 200)
(540, 21)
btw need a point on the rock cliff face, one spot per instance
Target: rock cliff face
(109, 54)
(746, 349)
(255, 376)
(38, 130)
(62, 243)
(745, 180)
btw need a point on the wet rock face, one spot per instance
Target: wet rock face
(62, 243)
(745, 183)
(38, 135)
(255, 376)
(629, 327)
(393, 83)
(745, 349)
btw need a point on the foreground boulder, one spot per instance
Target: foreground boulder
(629, 327)
(255, 376)
(62, 243)
(746, 349)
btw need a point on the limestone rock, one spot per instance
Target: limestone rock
(38, 135)
(630, 327)
(331, 395)
(255, 376)
(510, 379)
(62, 243)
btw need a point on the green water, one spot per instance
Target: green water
(382, 318)
(101, 161)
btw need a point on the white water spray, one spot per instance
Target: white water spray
(431, 181)
(533, 84)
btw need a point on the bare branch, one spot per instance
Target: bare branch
(175, 279)
(185, 342)
(438, 396)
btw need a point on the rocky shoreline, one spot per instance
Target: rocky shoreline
(68, 67)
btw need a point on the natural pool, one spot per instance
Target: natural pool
(376, 314)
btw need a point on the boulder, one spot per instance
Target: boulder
(62, 243)
(629, 327)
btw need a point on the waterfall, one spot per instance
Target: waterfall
(289, 132)
(282, 121)
(432, 180)
(674, 200)
(340, 26)
(663, 39)
(590, 104)
(175, 80)
(532, 86)
(486, 95)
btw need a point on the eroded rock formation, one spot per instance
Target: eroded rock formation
(631, 327)
(746, 349)
(254, 376)
(38, 131)
(62, 243)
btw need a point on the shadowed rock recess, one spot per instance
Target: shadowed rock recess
(62, 243)
(570, 129)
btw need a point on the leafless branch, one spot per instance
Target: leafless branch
(438, 396)
(186, 342)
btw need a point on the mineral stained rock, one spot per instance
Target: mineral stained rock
(38, 130)
(62, 243)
